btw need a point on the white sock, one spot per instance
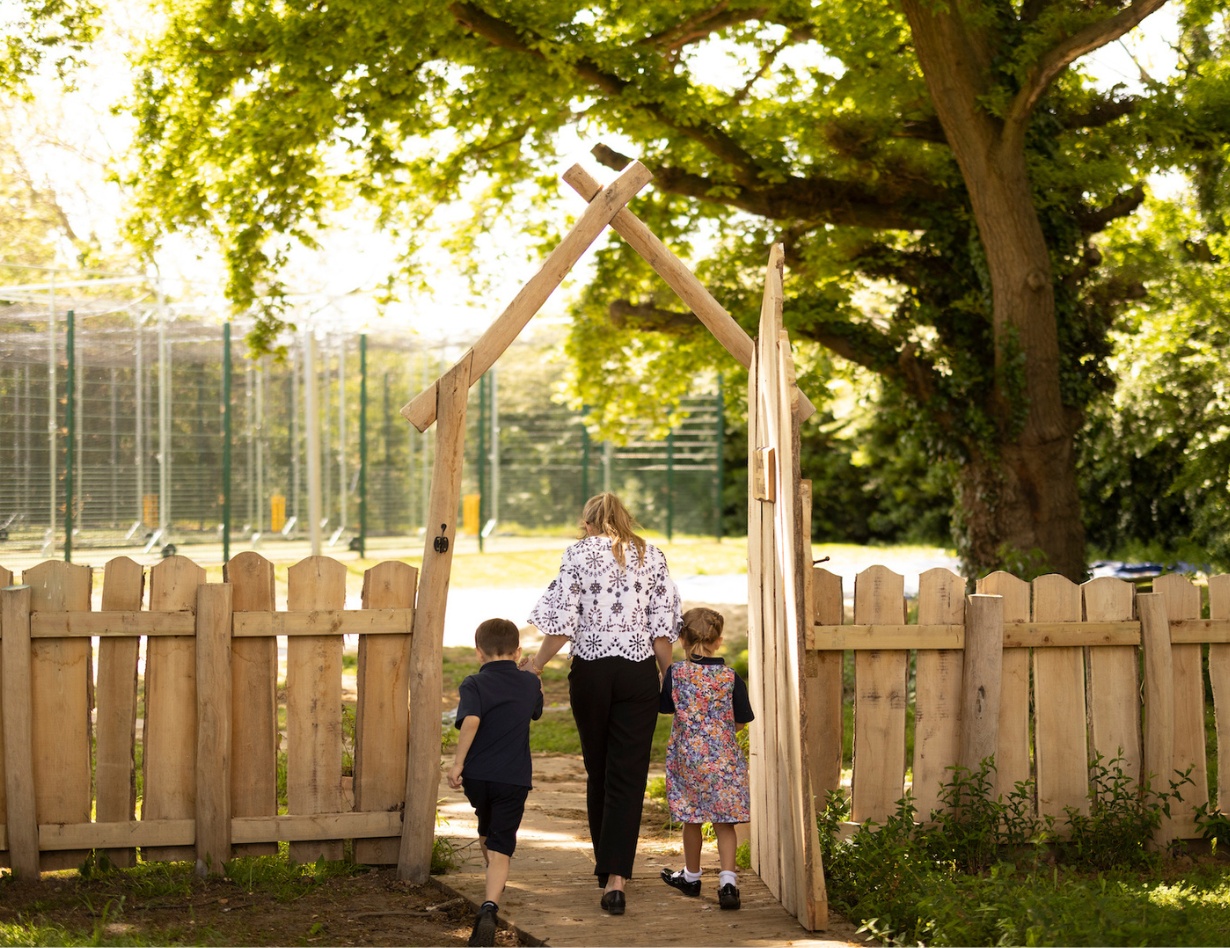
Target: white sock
(726, 877)
(690, 876)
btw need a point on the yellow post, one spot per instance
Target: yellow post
(277, 512)
(469, 514)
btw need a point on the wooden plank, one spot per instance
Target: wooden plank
(1219, 682)
(1183, 602)
(1013, 757)
(1158, 730)
(1114, 688)
(251, 831)
(124, 834)
(880, 698)
(326, 622)
(62, 685)
(804, 866)
(6, 579)
(824, 690)
(382, 718)
(786, 776)
(982, 679)
(1060, 729)
(21, 806)
(213, 731)
(169, 735)
(314, 704)
(769, 436)
(422, 410)
(937, 691)
(117, 624)
(1197, 631)
(1016, 635)
(427, 640)
(115, 770)
(878, 636)
(254, 700)
(356, 826)
(760, 753)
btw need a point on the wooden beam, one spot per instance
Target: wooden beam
(1159, 716)
(20, 820)
(213, 728)
(981, 680)
(678, 277)
(125, 623)
(427, 641)
(421, 411)
(247, 829)
(116, 700)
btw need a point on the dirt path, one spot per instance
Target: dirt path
(552, 896)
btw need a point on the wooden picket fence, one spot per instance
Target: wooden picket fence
(1113, 672)
(209, 728)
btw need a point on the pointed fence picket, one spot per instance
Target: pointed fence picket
(209, 736)
(1097, 669)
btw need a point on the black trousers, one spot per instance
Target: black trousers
(615, 705)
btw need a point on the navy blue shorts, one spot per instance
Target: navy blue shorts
(499, 808)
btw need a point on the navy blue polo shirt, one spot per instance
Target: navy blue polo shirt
(504, 699)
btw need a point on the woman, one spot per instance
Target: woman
(615, 602)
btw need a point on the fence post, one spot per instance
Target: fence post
(982, 680)
(213, 727)
(426, 642)
(18, 707)
(1159, 697)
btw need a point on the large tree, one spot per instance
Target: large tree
(951, 155)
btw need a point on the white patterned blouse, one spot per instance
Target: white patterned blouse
(606, 609)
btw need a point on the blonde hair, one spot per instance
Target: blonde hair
(701, 627)
(607, 514)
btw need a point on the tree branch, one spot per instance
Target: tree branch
(717, 142)
(807, 199)
(1102, 113)
(702, 25)
(1075, 46)
(1094, 219)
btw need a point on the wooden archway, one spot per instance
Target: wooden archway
(785, 846)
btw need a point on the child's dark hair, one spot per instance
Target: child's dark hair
(701, 627)
(497, 637)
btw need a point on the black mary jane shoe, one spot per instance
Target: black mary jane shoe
(613, 902)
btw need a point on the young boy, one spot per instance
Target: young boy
(492, 763)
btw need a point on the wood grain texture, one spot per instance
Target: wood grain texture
(1013, 759)
(1060, 725)
(427, 640)
(314, 704)
(254, 704)
(169, 734)
(1190, 754)
(62, 689)
(1114, 686)
(17, 701)
(116, 716)
(1158, 756)
(382, 715)
(213, 728)
(880, 697)
(1219, 681)
(938, 675)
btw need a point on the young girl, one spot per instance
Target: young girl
(706, 773)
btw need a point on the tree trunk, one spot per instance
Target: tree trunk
(1020, 494)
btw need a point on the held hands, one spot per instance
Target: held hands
(528, 663)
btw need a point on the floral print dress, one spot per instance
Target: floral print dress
(706, 772)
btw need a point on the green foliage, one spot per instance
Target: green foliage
(36, 32)
(1122, 817)
(986, 871)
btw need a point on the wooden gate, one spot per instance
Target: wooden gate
(785, 840)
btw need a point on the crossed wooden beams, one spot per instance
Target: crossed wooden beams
(606, 207)
(445, 401)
